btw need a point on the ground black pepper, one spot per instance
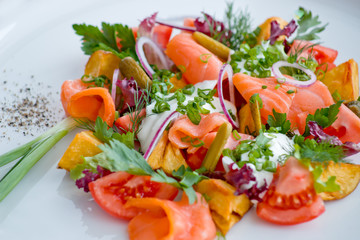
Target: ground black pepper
(29, 108)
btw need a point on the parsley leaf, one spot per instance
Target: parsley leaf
(116, 156)
(104, 133)
(105, 39)
(279, 122)
(324, 117)
(309, 26)
(321, 152)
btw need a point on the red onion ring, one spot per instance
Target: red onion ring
(113, 85)
(276, 71)
(159, 132)
(139, 47)
(190, 29)
(226, 68)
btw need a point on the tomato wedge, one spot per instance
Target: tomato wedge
(113, 191)
(323, 55)
(291, 198)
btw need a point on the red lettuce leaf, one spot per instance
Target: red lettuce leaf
(129, 91)
(91, 176)
(320, 136)
(209, 26)
(276, 31)
(146, 26)
(317, 131)
(239, 177)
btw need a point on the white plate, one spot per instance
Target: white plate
(38, 45)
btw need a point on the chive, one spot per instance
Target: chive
(205, 57)
(20, 151)
(182, 68)
(264, 87)
(236, 135)
(14, 176)
(290, 91)
(277, 86)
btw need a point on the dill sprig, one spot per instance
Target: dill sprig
(239, 22)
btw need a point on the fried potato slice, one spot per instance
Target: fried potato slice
(84, 144)
(246, 121)
(347, 176)
(157, 155)
(344, 79)
(173, 159)
(226, 208)
(265, 28)
(102, 63)
(177, 83)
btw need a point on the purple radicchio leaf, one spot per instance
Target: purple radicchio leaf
(91, 176)
(287, 46)
(254, 192)
(320, 136)
(129, 90)
(239, 177)
(317, 131)
(351, 148)
(146, 30)
(276, 31)
(209, 26)
(146, 26)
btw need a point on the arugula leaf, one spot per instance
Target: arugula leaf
(105, 39)
(279, 122)
(324, 117)
(309, 26)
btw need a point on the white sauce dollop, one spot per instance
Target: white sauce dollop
(153, 121)
(280, 145)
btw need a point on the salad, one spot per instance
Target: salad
(223, 116)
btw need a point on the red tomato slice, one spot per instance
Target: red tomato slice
(323, 55)
(113, 191)
(291, 198)
(162, 35)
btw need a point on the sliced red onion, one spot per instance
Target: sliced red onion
(190, 29)
(159, 133)
(142, 57)
(116, 76)
(276, 71)
(226, 68)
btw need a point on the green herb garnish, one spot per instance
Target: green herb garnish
(94, 39)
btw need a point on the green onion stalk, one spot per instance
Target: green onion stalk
(30, 153)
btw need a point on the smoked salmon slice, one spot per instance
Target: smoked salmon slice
(231, 142)
(168, 220)
(273, 94)
(126, 122)
(196, 62)
(183, 128)
(79, 101)
(298, 105)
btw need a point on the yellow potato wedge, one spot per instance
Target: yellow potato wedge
(84, 144)
(347, 176)
(178, 83)
(265, 28)
(246, 121)
(102, 63)
(156, 157)
(173, 159)
(226, 208)
(345, 79)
